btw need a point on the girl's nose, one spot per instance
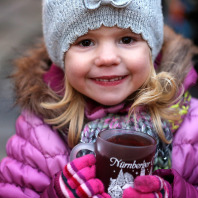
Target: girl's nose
(107, 56)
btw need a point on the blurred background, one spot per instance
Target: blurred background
(20, 28)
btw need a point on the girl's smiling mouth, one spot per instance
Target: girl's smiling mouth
(109, 80)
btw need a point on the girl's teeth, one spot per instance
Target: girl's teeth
(109, 80)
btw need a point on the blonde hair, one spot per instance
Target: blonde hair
(157, 94)
(73, 116)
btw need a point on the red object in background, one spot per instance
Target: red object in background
(177, 11)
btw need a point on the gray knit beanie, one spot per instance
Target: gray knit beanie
(66, 20)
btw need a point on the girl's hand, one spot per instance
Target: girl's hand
(149, 186)
(78, 179)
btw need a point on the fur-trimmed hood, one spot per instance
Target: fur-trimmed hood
(30, 89)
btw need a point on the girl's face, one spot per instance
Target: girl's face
(108, 64)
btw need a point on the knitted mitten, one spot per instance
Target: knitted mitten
(78, 180)
(149, 186)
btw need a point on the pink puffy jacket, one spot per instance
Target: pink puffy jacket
(36, 153)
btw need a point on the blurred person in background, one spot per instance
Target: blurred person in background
(182, 16)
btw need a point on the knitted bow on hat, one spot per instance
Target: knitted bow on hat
(93, 4)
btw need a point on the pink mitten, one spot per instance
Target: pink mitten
(149, 186)
(78, 180)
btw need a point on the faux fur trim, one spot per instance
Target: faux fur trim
(178, 53)
(30, 89)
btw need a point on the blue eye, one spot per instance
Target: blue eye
(85, 43)
(127, 40)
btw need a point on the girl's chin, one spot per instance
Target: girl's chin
(109, 102)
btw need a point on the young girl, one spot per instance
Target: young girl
(108, 66)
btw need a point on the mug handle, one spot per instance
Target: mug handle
(79, 147)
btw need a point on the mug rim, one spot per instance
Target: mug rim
(154, 142)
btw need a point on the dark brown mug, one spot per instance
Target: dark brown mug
(121, 155)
